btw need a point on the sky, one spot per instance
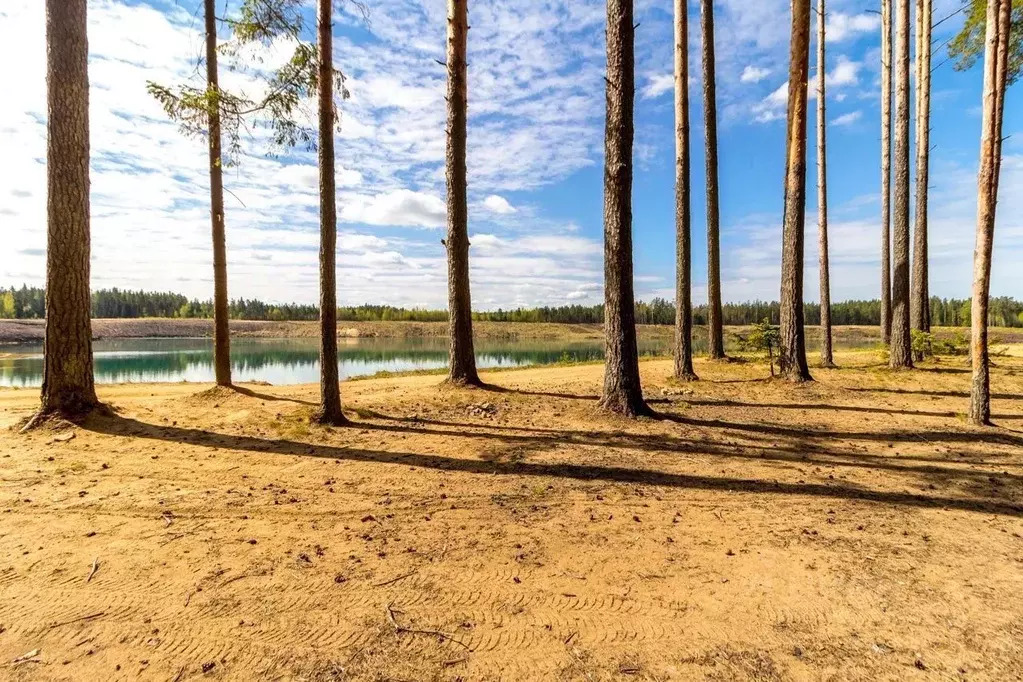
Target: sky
(535, 159)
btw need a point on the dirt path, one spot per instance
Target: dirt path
(850, 529)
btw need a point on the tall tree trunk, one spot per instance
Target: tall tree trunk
(710, 139)
(622, 392)
(886, 171)
(920, 309)
(683, 238)
(792, 356)
(329, 411)
(900, 354)
(1005, 26)
(68, 384)
(221, 331)
(995, 71)
(827, 357)
(462, 355)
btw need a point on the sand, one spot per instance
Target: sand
(851, 529)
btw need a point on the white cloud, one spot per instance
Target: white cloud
(752, 270)
(847, 119)
(554, 245)
(401, 207)
(498, 204)
(772, 107)
(840, 27)
(360, 242)
(846, 72)
(307, 177)
(536, 115)
(754, 74)
(658, 84)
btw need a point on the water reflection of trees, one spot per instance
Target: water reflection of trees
(125, 360)
(297, 360)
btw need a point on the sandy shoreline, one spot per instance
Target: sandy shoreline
(753, 530)
(31, 331)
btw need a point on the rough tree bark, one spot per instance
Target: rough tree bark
(710, 139)
(995, 71)
(827, 357)
(462, 356)
(683, 237)
(1005, 41)
(221, 331)
(886, 171)
(900, 350)
(329, 411)
(920, 309)
(68, 384)
(792, 355)
(622, 392)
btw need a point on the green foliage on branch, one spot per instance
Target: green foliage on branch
(968, 45)
(262, 23)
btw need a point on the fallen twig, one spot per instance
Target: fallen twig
(239, 577)
(399, 629)
(569, 639)
(95, 567)
(183, 534)
(30, 657)
(394, 580)
(91, 616)
(37, 418)
(923, 438)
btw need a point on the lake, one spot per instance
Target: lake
(291, 361)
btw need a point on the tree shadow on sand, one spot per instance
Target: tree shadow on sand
(840, 408)
(123, 426)
(270, 398)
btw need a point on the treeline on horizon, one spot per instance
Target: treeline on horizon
(29, 303)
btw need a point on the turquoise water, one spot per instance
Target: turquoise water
(289, 361)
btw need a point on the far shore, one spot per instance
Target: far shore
(31, 331)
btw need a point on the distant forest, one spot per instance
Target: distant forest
(29, 303)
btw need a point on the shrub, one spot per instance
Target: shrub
(763, 337)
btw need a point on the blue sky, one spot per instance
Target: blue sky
(536, 107)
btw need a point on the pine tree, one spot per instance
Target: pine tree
(462, 369)
(886, 171)
(622, 393)
(792, 356)
(710, 138)
(996, 68)
(683, 237)
(827, 357)
(68, 382)
(900, 352)
(920, 308)
(329, 411)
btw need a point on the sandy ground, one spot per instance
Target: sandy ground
(851, 529)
